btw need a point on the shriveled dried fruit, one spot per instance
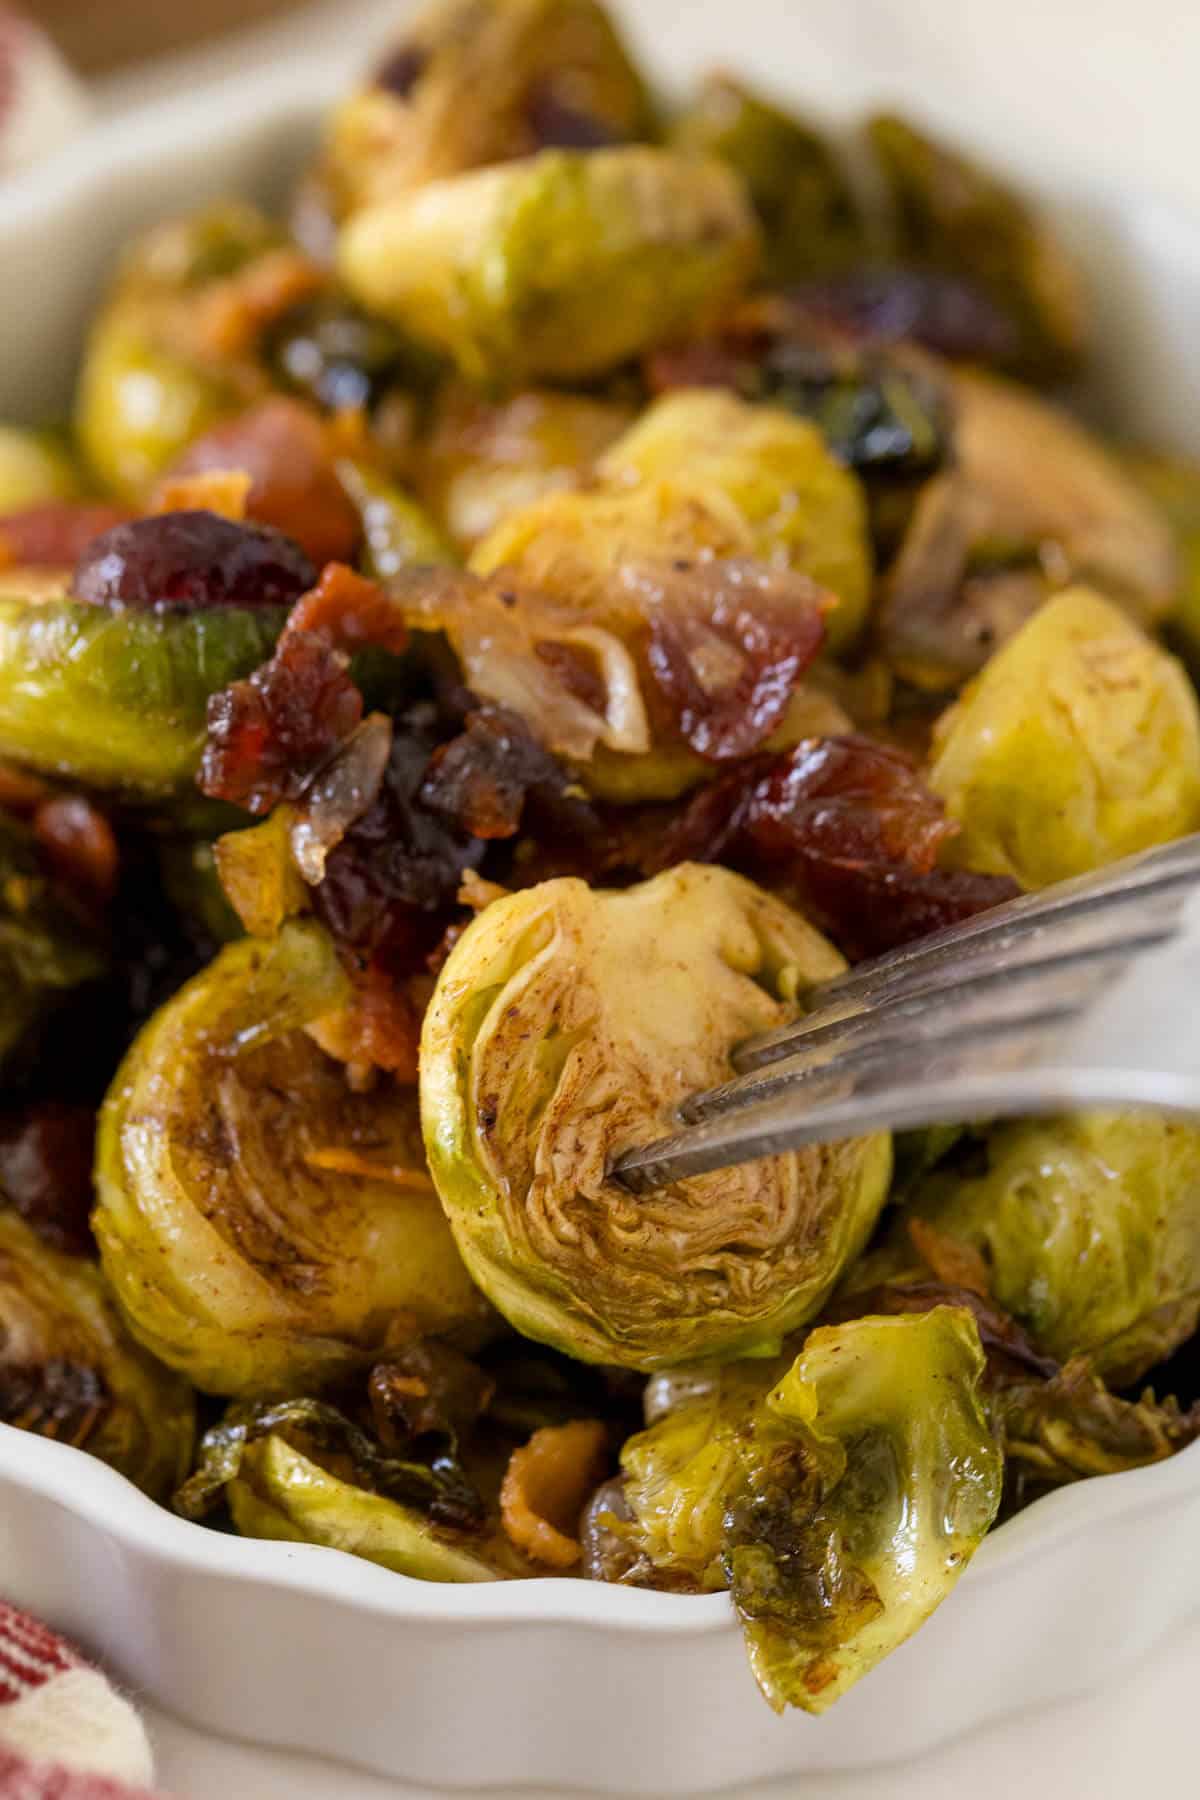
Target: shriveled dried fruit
(193, 560)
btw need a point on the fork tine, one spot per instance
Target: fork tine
(1014, 936)
(1051, 990)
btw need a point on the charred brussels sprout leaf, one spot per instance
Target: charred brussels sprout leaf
(949, 212)
(1077, 745)
(1071, 1427)
(70, 1370)
(1090, 1230)
(263, 1227)
(840, 1506)
(279, 1492)
(118, 699)
(474, 82)
(805, 205)
(565, 1026)
(563, 265)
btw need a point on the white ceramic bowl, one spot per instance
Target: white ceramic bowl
(562, 1682)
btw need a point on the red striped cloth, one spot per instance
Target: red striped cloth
(65, 1732)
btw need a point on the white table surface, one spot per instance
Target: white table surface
(1137, 1739)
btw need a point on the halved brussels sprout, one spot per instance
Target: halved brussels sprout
(565, 1026)
(280, 1493)
(1032, 502)
(949, 212)
(1090, 1230)
(117, 699)
(264, 1228)
(45, 950)
(771, 472)
(563, 265)
(151, 379)
(484, 459)
(810, 219)
(1077, 745)
(70, 1370)
(472, 82)
(34, 466)
(839, 1505)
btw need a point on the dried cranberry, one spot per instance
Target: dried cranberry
(944, 312)
(192, 559)
(848, 827)
(268, 735)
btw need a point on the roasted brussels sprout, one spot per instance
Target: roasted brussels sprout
(264, 1228)
(839, 1505)
(1033, 502)
(473, 82)
(1089, 1228)
(166, 358)
(117, 699)
(45, 949)
(565, 1025)
(948, 212)
(563, 265)
(810, 219)
(485, 459)
(34, 466)
(793, 500)
(702, 476)
(303, 1471)
(1078, 744)
(70, 1370)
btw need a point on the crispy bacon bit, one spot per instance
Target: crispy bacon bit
(850, 826)
(379, 1029)
(191, 559)
(55, 534)
(283, 448)
(79, 845)
(545, 1486)
(728, 644)
(481, 779)
(269, 734)
(351, 611)
(223, 491)
(46, 1172)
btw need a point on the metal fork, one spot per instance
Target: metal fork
(1086, 994)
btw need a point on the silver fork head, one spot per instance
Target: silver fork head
(1078, 996)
